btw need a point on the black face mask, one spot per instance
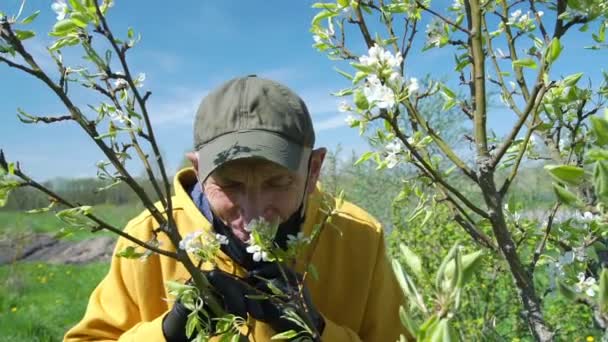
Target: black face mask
(236, 249)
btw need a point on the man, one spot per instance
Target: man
(254, 159)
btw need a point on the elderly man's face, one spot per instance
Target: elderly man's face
(246, 189)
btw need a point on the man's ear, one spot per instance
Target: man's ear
(193, 158)
(316, 162)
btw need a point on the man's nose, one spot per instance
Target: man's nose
(252, 206)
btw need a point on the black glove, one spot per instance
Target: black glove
(241, 297)
(273, 311)
(230, 290)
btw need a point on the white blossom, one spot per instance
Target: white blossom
(258, 253)
(378, 57)
(540, 13)
(587, 216)
(392, 160)
(378, 93)
(140, 80)
(192, 243)
(350, 120)
(579, 253)
(119, 117)
(120, 82)
(295, 240)
(514, 17)
(221, 239)
(317, 39)
(457, 5)
(61, 8)
(344, 107)
(413, 86)
(585, 284)
(393, 149)
(395, 80)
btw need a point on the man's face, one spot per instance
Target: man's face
(245, 189)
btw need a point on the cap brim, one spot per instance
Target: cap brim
(251, 144)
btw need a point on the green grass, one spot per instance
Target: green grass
(15, 223)
(40, 302)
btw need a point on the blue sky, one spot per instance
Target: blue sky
(189, 48)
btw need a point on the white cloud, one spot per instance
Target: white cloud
(176, 108)
(331, 123)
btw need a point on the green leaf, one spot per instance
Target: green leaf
(566, 291)
(63, 27)
(364, 157)
(568, 174)
(359, 76)
(565, 196)
(600, 130)
(600, 180)
(554, 50)
(525, 62)
(442, 332)
(325, 5)
(80, 19)
(446, 260)
(571, 80)
(470, 263)
(601, 35)
(343, 73)
(129, 253)
(361, 67)
(286, 335)
(23, 35)
(602, 298)
(322, 15)
(313, 272)
(130, 33)
(412, 260)
(361, 100)
(407, 322)
(77, 6)
(30, 18)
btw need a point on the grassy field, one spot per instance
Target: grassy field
(14, 223)
(39, 302)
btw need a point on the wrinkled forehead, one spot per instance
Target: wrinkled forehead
(258, 167)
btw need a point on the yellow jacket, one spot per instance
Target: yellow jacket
(356, 290)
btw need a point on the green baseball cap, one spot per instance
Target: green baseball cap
(252, 117)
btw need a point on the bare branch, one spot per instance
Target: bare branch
(446, 20)
(541, 246)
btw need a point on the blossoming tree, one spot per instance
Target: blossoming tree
(120, 127)
(502, 47)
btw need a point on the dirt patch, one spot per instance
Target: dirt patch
(46, 248)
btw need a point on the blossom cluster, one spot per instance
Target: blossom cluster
(203, 244)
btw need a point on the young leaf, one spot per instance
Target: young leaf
(566, 173)
(600, 130)
(286, 335)
(603, 291)
(30, 18)
(525, 62)
(361, 100)
(412, 260)
(470, 263)
(23, 35)
(364, 157)
(555, 49)
(600, 180)
(565, 196)
(565, 291)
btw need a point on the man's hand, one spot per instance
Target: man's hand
(270, 278)
(230, 290)
(253, 295)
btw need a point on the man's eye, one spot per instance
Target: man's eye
(281, 182)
